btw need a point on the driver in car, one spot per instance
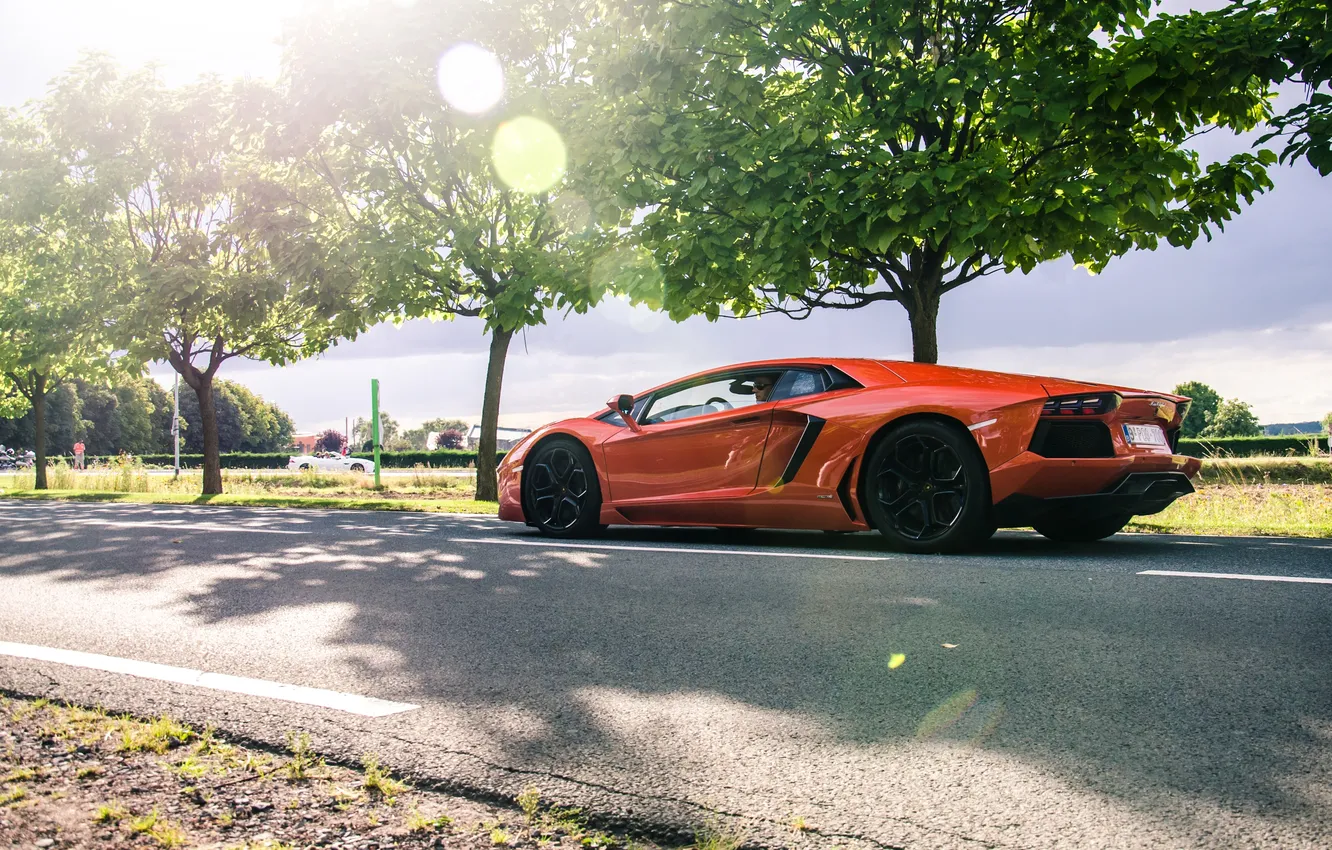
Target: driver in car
(763, 385)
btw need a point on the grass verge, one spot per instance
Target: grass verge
(447, 506)
(180, 787)
(1281, 510)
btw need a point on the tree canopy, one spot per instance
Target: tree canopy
(460, 209)
(1205, 402)
(839, 154)
(224, 259)
(57, 273)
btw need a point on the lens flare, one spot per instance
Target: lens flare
(528, 154)
(470, 78)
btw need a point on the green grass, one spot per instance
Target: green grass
(448, 506)
(135, 479)
(1283, 510)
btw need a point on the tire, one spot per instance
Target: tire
(357, 467)
(927, 488)
(305, 467)
(1080, 530)
(561, 492)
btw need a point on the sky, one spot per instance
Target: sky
(1249, 313)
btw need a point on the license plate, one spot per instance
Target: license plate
(1145, 435)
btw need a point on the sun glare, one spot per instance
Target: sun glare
(470, 78)
(528, 154)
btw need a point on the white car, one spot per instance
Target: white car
(331, 462)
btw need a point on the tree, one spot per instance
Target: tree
(1233, 418)
(331, 440)
(1201, 410)
(116, 417)
(56, 273)
(448, 434)
(225, 250)
(244, 421)
(841, 154)
(1327, 424)
(460, 214)
(60, 409)
(363, 433)
(450, 439)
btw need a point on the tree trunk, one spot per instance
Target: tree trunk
(212, 466)
(39, 423)
(487, 487)
(923, 308)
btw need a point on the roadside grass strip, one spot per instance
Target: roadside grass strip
(336, 700)
(1278, 510)
(93, 779)
(445, 506)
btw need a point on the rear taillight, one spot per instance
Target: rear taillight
(1081, 405)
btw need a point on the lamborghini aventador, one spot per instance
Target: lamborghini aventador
(935, 458)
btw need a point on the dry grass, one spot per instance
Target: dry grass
(420, 483)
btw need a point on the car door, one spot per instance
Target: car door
(700, 440)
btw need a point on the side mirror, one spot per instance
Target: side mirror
(624, 405)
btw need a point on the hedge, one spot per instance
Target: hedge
(1282, 446)
(441, 459)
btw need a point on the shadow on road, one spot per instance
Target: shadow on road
(1059, 656)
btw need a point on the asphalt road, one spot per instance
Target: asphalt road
(1028, 696)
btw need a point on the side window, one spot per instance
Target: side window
(713, 396)
(799, 382)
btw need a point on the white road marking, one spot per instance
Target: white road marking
(1241, 576)
(669, 549)
(350, 703)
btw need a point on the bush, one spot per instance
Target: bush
(1287, 445)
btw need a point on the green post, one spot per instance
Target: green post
(374, 417)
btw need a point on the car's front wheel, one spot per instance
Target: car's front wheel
(561, 493)
(927, 488)
(1081, 530)
(357, 467)
(305, 467)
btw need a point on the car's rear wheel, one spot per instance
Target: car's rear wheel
(927, 488)
(305, 467)
(561, 494)
(1082, 530)
(358, 467)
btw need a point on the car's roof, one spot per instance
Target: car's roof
(868, 372)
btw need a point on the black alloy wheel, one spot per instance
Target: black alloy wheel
(561, 496)
(927, 488)
(356, 467)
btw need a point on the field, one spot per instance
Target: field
(1259, 496)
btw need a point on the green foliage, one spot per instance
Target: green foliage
(1284, 446)
(1233, 418)
(1327, 424)
(833, 153)
(331, 440)
(1203, 408)
(222, 254)
(245, 421)
(421, 192)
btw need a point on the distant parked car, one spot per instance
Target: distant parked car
(331, 462)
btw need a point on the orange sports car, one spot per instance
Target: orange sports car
(933, 457)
